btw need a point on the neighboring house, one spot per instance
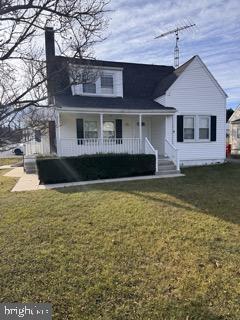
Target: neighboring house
(234, 131)
(138, 108)
(227, 133)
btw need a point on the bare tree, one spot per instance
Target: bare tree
(78, 26)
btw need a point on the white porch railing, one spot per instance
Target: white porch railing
(149, 149)
(172, 152)
(77, 147)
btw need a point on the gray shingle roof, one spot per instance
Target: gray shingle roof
(139, 80)
(166, 82)
(142, 83)
(109, 103)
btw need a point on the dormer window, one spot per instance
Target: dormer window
(97, 82)
(89, 88)
(107, 84)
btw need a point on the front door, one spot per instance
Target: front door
(146, 130)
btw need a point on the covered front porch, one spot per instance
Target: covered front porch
(87, 133)
(80, 133)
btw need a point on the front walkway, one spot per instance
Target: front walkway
(30, 182)
(14, 173)
(27, 182)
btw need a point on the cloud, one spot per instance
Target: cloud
(135, 23)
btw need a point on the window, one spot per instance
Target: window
(108, 129)
(90, 129)
(188, 128)
(89, 88)
(107, 84)
(196, 128)
(204, 128)
(238, 133)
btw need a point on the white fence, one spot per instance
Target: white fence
(76, 147)
(172, 152)
(33, 147)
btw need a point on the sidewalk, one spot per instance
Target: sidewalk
(6, 166)
(91, 182)
(14, 173)
(27, 182)
(30, 182)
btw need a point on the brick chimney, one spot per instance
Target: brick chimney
(50, 55)
(51, 77)
(49, 42)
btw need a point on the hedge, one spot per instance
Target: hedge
(94, 167)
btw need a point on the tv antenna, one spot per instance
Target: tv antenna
(176, 31)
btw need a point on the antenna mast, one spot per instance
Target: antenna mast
(176, 49)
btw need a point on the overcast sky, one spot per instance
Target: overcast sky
(216, 39)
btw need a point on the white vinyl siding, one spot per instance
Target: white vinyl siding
(158, 130)
(234, 131)
(238, 133)
(195, 93)
(161, 100)
(235, 138)
(67, 129)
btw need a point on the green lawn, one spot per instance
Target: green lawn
(165, 249)
(9, 161)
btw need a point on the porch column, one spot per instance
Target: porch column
(58, 134)
(140, 131)
(101, 125)
(140, 127)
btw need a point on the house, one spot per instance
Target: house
(176, 114)
(234, 131)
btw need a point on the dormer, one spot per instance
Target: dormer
(99, 81)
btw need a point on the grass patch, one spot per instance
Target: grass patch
(163, 249)
(9, 161)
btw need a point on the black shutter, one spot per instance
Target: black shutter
(38, 135)
(119, 130)
(179, 128)
(213, 128)
(80, 133)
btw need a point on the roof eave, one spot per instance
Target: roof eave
(166, 111)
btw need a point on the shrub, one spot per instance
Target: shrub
(93, 167)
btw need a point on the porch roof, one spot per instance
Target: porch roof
(131, 104)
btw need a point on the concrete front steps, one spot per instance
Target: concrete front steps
(30, 165)
(166, 166)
